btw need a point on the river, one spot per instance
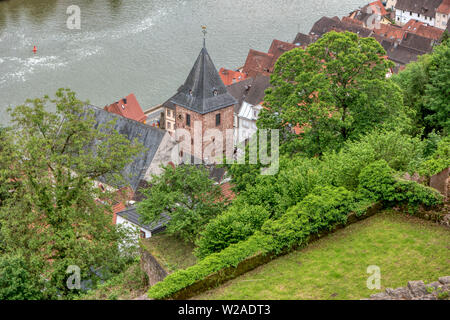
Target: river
(142, 46)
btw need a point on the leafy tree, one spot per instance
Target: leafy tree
(187, 195)
(56, 215)
(425, 85)
(438, 89)
(334, 90)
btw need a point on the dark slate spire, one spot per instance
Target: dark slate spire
(203, 91)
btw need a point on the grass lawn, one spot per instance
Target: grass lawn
(405, 248)
(172, 253)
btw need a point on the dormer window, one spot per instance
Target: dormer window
(123, 107)
(190, 93)
(215, 92)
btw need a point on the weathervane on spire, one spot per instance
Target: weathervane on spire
(204, 35)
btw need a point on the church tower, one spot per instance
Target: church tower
(204, 108)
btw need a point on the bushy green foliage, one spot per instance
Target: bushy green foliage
(335, 89)
(425, 85)
(439, 161)
(269, 197)
(16, 281)
(320, 210)
(126, 285)
(402, 152)
(52, 216)
(415, 194)
(377, 182)
(187, 195)
(236, 224)
(296, 178)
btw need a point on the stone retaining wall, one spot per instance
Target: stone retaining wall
(417, 290)
(152, 268)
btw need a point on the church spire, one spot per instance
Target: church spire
(204, 36)
(203, 90)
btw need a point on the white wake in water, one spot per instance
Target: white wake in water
(78, 48)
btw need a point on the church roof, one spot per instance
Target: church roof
(150, 137)
(203, 91)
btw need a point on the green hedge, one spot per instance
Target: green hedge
(320, 210)
(377, 182)
(236, 224)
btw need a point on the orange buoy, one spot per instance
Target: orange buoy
(34, 49)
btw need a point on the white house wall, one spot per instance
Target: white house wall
(402, 17)
(131, 226)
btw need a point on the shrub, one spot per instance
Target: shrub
(400, 151)
(439, 161)
(270, 197)
(16, 282)
(320, 210)
(236, 224)
(376, 181)
(416, 194)
(296, 178)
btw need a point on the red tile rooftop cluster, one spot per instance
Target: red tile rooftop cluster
(128, 107)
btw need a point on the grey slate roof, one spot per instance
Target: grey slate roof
(257, 91)
(399, 53)
(239, 91)
(131, 215)
(251, 90)
(150, 137)
(424, 7)
(203, 91)
(417, 42)
(169, 104)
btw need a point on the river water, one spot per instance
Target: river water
(142, 46)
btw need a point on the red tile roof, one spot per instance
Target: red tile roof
(389, 31)
(352, 21)
(423, 30)
(261, 63)
(257, 63)
(444, 7)
(229, 76)
(278, 47)
(129, 108)
(377, 8)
